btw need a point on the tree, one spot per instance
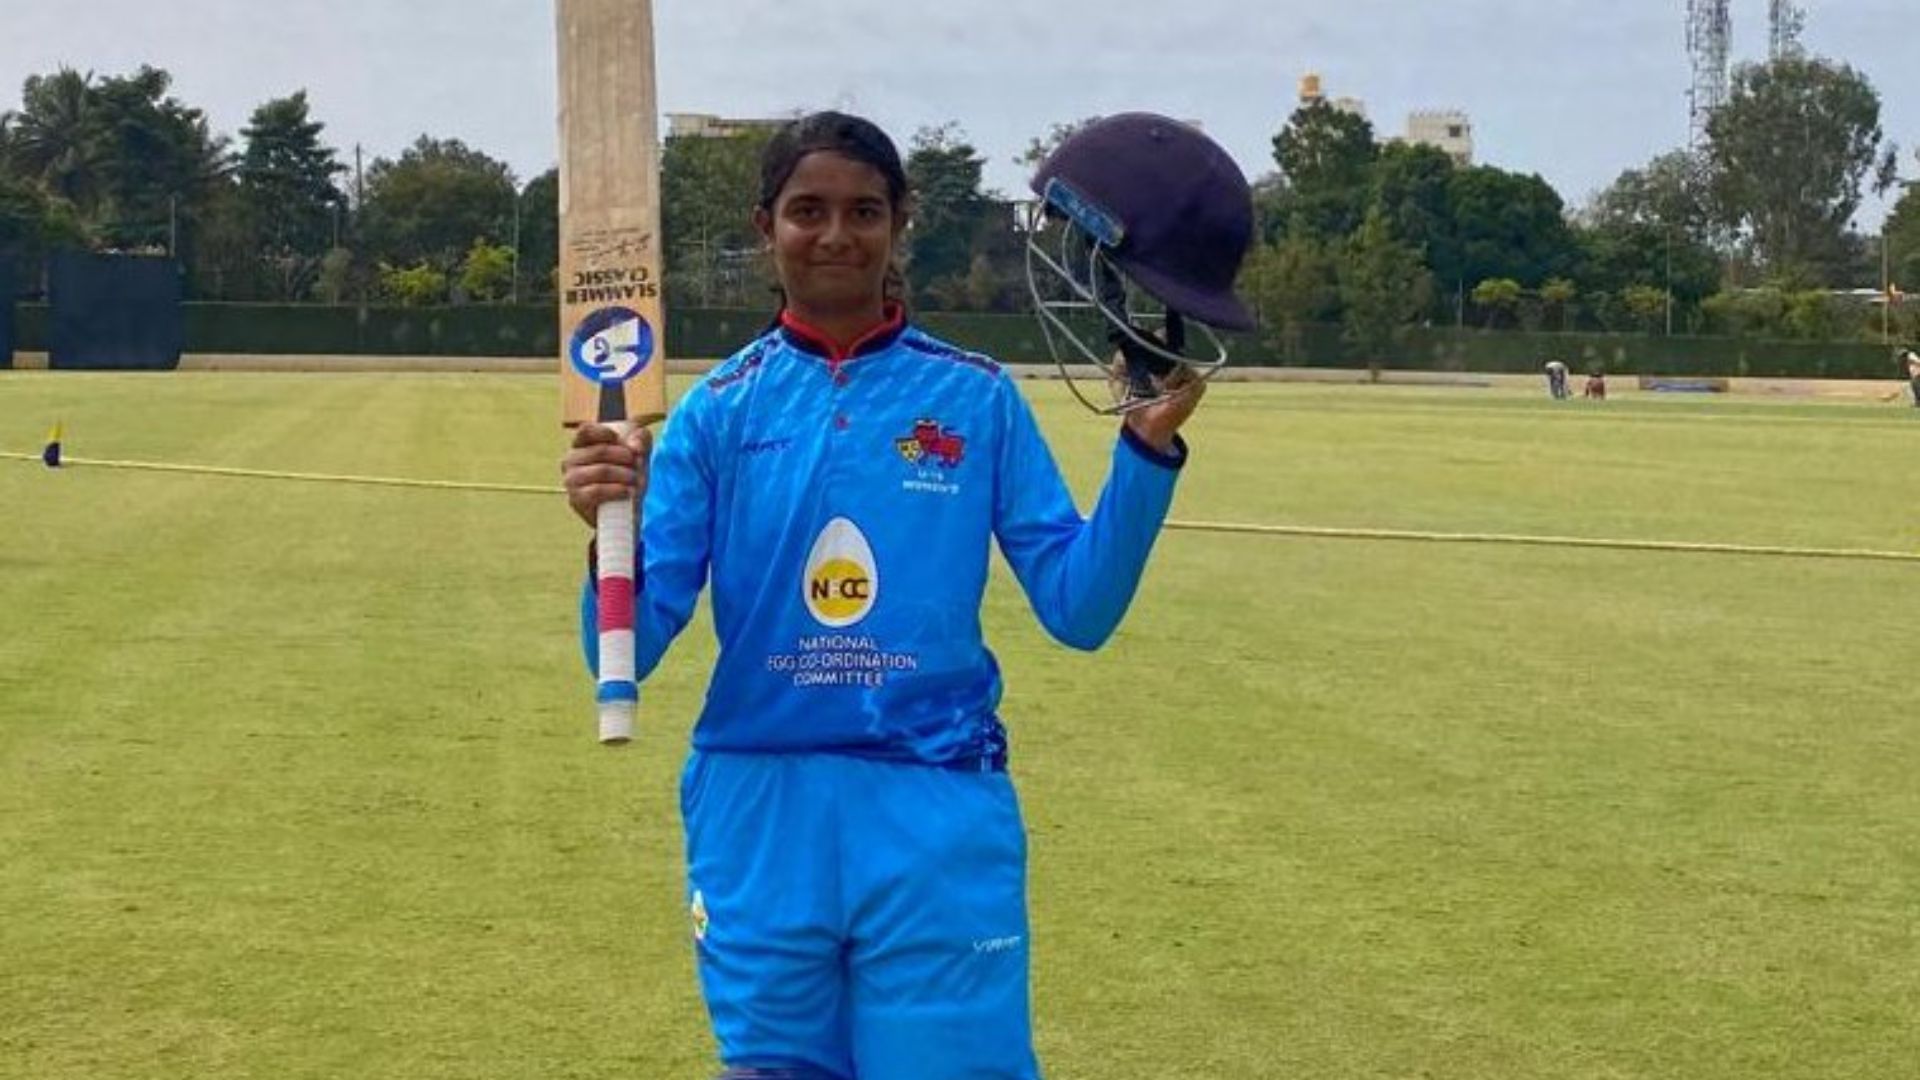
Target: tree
(226, 260)
(418, 285)
(1902, 237)
(1412, 185)
(1654, 226)
(1618, 254)
(434, 201)
(1754, 313)
(156, 162)
(137, 168)
(1559, 294)
(336, 279)
(952, 217)
(1605, 309)
(1671, 193)
(1291, 285)
(1272, 202)
(31, 224)
(539, 257)
(1497, 297)
(1381, 283)
(487, 272)
(1326, 155)
(131, 166)
(1646, 305)
(50, 139)
(708, 186)
(1818, 315)
(286, 178)
(1771, 312)
(1790, 152)
(1510, 225)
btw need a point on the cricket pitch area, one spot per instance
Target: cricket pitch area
(299, 779)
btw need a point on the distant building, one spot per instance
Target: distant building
(1311, 93)
(709, 126)
(1446, 129)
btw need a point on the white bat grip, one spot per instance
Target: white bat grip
(614, 583)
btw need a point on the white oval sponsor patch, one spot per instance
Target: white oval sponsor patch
(842, 579)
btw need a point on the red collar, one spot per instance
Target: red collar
(893, 320)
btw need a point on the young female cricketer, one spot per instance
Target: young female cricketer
(856, 861)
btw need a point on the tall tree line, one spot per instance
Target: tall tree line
(1760, 218)
(1375, 235)
(118, 163)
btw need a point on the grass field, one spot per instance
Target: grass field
(298, 780)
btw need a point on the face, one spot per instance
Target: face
(832, 232)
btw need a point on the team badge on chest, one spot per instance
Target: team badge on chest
(934, 452)
(932, 443)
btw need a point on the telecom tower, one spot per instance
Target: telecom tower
(1785, 20)
(1709, 31)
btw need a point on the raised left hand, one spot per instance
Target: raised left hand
(1157, 423)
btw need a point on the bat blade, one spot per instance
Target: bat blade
(612, 322)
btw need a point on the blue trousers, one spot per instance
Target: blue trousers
(857, 919)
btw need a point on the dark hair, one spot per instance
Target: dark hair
(849, 136)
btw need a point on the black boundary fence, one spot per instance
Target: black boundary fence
(9, 290)
(705, 333)
(117, 312)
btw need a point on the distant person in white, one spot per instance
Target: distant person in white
(1912, 360)
(1557, 380)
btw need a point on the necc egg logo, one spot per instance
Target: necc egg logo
(843, 579)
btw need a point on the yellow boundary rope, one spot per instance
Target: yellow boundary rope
(263, 474)
(1304, 531)
(1545, 541)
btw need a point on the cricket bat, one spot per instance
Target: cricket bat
(613, 361)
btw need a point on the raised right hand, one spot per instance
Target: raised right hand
(600, 468)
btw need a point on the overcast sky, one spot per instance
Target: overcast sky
(1576, 90)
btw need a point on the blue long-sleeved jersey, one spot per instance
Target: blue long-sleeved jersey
(843, 508)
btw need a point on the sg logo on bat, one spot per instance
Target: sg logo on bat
(611, 345)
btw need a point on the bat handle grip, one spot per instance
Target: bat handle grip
(616, 723)
(618, 693)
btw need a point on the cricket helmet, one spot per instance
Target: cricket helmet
(1143, 221)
